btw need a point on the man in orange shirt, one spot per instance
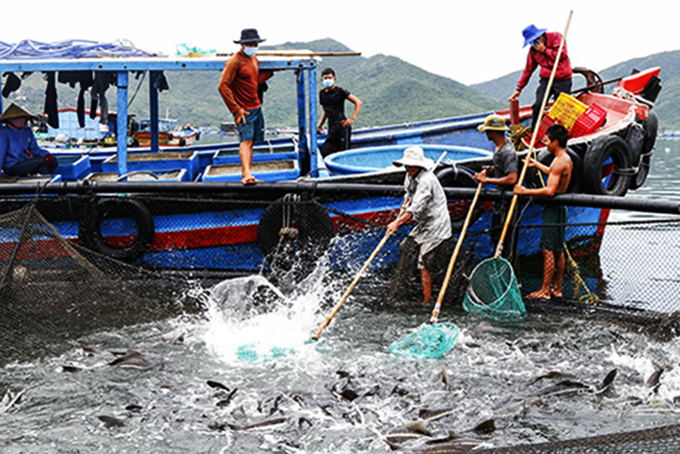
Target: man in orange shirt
(238, 88)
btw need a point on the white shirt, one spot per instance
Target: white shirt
(428, 207)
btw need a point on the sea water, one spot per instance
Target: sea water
(344, 393)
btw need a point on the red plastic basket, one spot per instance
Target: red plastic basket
(589, 121)
(546, 122)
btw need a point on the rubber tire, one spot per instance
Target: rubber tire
(90, 236)
(609, 146)
(460, 177)
(651, 127)
(319, 231)
(575, 184)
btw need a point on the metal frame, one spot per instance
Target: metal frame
(307, 127)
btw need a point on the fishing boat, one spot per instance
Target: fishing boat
(186, 210)
(170, 133)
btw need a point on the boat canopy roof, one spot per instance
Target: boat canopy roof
(29, 49)
(33, 56)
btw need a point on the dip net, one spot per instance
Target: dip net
(53, 292)
(493, 291)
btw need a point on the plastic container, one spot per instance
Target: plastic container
(593, 118)
(566, 110)
(546, 122)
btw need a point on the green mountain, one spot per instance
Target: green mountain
(392, 91)
(669, 115)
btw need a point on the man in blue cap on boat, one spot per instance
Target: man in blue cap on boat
(425, 203)
(239, 90)
(543, 53)
(20, 154)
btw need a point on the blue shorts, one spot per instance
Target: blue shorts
(253, 129)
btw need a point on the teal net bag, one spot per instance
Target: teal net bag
(493, 291)
(428, 341)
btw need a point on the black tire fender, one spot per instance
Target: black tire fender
(460, 177)
(90, 235)
(601, 150)
(651, 129)
(313, 233)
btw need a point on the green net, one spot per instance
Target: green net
(428, 341)
(493, 291)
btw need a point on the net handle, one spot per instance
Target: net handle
(350, 288)
(452, 262)
(499, 248)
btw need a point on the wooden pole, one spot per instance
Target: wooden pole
(452, 262)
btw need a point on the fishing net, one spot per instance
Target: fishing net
(429, 341)
(493, 291)
(53, 292)
(658, 440)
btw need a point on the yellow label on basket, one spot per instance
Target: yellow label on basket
(566, 110)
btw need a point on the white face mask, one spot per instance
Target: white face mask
(328, 83)
(250, 51)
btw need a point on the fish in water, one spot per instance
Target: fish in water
(88, 347)
(10, 399)
(132, 359)
(654, 380)
(431, 415)
(110, 421)
(266, 423)
(445, 379)
(449, 446)
(486, 327)
(225, 402)
(217, 385)
(407, 432)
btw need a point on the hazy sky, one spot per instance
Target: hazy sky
(470, 41)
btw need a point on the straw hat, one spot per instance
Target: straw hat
(415, 157)
(14, 111)
(493, 123)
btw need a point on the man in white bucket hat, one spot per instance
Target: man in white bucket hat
(425, 203)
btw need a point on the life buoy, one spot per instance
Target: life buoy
(90, 234)
(546, 158)
(606, 167)
(459, 177)
(651, 129)
(290, 227)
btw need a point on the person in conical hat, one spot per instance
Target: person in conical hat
(424, 203)
(20, 154)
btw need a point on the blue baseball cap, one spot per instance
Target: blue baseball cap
(532, 33)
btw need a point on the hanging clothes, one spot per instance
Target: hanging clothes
(102, 80)
(11, 85)
(84, 79)
(51, 107)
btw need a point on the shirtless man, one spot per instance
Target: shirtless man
(552, 238)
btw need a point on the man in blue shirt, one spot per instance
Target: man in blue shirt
(20, 154)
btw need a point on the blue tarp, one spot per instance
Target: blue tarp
(28, 49)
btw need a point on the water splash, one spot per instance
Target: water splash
(250, 319)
